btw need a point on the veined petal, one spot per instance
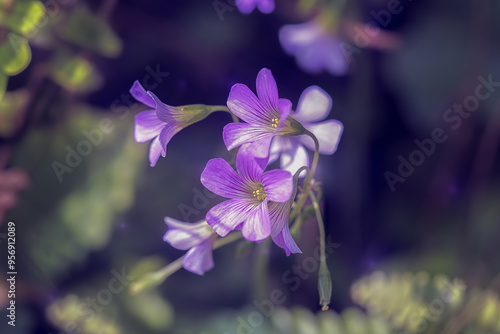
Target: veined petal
(280, 232)
(266, 6)
(147, 126)
(328, 134)
(226, 216)
(199, 259)
(164, 112)
(261, 148)
(249, 169)
(278, 185)
(267, 90)
(314, 105)
(237, 134)
(243, 103)
(186, 235)
(285, 107)
(166, 134)
(257, 226)
(220, 178)
(294, 158)
(140, 94)
(155, 150)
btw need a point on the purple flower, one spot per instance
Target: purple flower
(314, 105)
(199, 238)
(247, 6)
(162, 122)
(280, 232)
(264, 115)
(249, 191)
(314, 47)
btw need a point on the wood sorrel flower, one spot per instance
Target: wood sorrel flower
(247, 6)
(162, 122)
(249, 190)
(264, 115)
(280, 231)
(314, 105)
(199, 238)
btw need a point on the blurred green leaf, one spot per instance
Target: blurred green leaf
(75, 74)
(10, 104)
(26, 17)
(15, 54)
(3, 85)
(152, 310)
(88, 31)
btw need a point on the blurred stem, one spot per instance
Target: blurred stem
(226, 109)
(262, 264)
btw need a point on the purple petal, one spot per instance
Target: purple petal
(334, 57)
(267, 89)
(243, 103)
(314, 105)
(186, 235)
(226, 216)
(245, 6)
(147, 126)
(139, 93)
(164, 112)
(294, 37)
(266, 6)
(155, 150)
(220, 178)
(280, 232)
(261, 147)
(278, 185)
(285, 107)
(166, 134)
(199, 259)
(249, 169)
(237, 134)
(294, 158)
(328, 134)
(257, 226)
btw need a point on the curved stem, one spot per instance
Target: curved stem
(315, 158)
(226, 109)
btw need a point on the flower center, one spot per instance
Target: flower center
(259, 193)
(275, 122)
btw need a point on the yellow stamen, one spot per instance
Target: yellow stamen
(275, 122)
(260, 193)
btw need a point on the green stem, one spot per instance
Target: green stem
(226, 109)
(315, 158)
(321, 226)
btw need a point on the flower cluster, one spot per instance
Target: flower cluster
(258, 201)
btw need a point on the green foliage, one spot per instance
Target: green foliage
(90, 32)
(15, 53)
(10, 105)
(74, 73)
(151, 309)
(3, 85)
(26, 17)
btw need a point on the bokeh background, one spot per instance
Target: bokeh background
(66, 67)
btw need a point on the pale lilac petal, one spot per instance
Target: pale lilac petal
(199, 259)
(140, 94)
(226, 216)
(328, 134)
(278, 185)
(165, 112)
(314, 105)
(266, 6)
(280, 232)
(220, 178)
(245, 105)
(166, 134)
(248, 167)
(147, 126)
(245, 6)
(334, 57)
(267, 90)
(257, 226)
(237, 134)
(285, 107)
(279, 144)
(183, 235)
(293, 159)
(155, 150)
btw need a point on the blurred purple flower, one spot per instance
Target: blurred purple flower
(247, 6)
(314, 105)
(314, 47)
(249, 190)
(162, 122)
(264, 116)
(199, 238)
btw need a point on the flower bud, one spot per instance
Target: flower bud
(324, 286)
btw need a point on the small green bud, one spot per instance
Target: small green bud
(324, 286)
